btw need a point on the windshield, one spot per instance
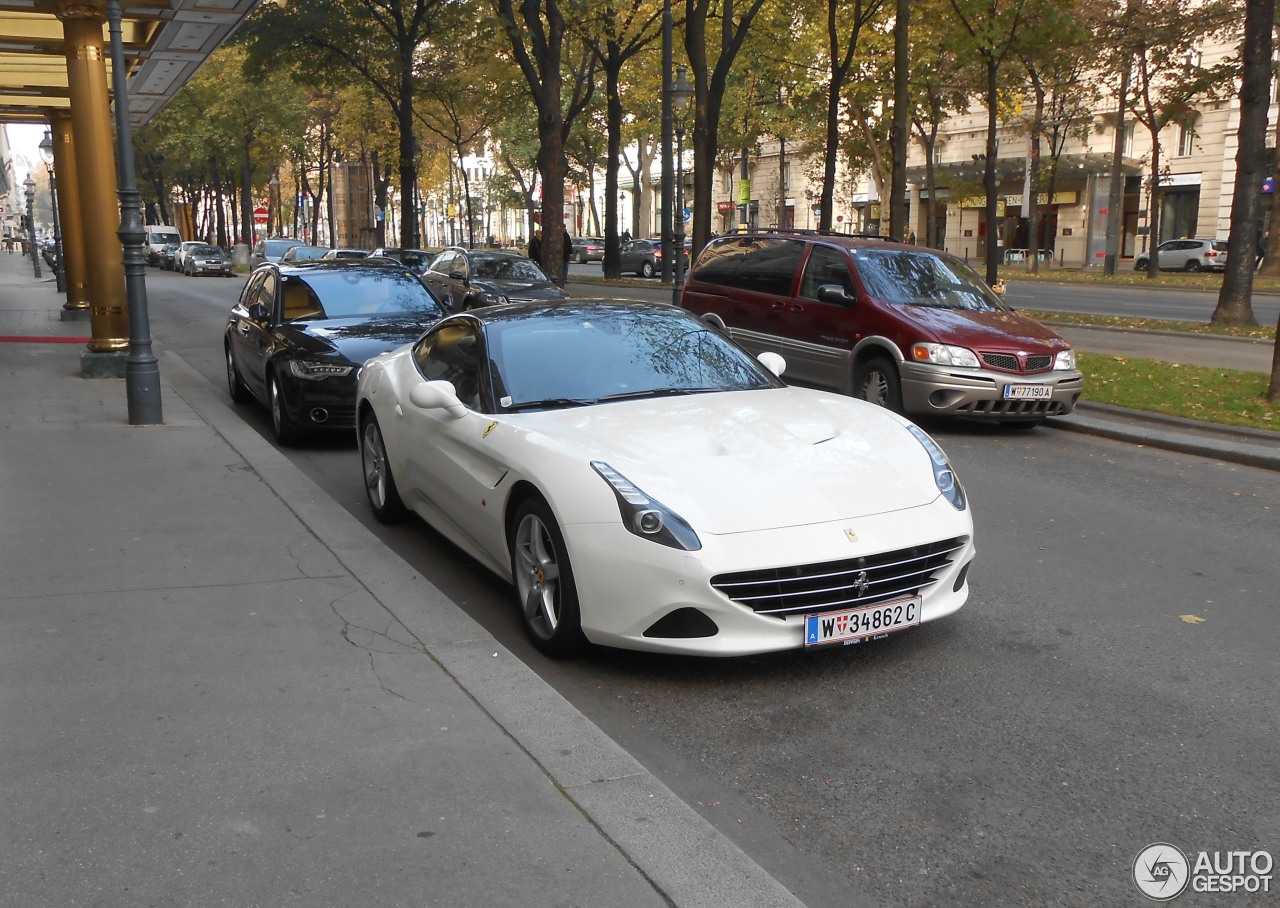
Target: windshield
(352, 294)
(277, 247)
(923, 279)
(505, 269)
(615, 354)
(206, 250)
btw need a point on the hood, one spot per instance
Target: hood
(1003, 330)
(522, 290)
(752, 460)
(355, 339)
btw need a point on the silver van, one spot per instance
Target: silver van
(159, 236)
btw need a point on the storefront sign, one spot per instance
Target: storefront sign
(1066, 197)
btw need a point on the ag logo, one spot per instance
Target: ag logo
(1161, 872)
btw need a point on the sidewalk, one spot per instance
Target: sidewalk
(220, 689)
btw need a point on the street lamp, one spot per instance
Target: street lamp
(46, 155)
(30, 186)
(681, 92)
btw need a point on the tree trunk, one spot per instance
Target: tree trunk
(989, 176)
(898, 140)
(1235, 298)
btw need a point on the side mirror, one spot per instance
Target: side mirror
(437, 395)
(834, 293)
(773, 362)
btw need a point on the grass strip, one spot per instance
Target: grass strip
(1222, 396)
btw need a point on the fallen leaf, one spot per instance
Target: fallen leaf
(1193, 619)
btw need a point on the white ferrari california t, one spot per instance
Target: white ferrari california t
(643, 482)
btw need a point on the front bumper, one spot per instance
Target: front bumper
(324, 404)
(980, 393)
(627, 585)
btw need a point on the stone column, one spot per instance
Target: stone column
(95, 166)
(70, 220)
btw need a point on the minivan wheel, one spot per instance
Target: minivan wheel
(876, 380)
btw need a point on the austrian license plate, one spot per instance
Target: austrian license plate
(856, 625)
(1027, 392)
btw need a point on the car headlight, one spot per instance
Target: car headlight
(646, 517)
(492, 299)
(947, 481)
(1065, 361)
(944, 355)
(312, 370)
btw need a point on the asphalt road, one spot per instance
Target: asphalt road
(1110, 684)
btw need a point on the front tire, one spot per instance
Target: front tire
(235, 384)
(285, 428)
(876, 380)
(543, 579)
(379, 484)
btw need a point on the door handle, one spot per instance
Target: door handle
(795, 307)
(399, 410)
(777, 304)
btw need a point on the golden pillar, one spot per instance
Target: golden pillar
(95, 183)
(70, 220)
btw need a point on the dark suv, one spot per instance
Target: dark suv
(905, 327)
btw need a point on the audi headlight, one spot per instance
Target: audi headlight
(492, 299)
(1065, 361)
(647, 518)
(945, 478)
(944, 355)
(314, 370)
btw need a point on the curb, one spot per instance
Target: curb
(1248, 447)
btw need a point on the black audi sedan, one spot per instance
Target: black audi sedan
(298, 335)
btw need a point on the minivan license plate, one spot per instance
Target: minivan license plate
(856, 625)
(1027, 392)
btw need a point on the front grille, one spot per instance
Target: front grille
(1007, 362)
(850, 583)
(1000, 408)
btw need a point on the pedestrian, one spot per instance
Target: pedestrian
(567, 252)
(626, 236)
(535, 246)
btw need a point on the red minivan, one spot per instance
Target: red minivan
(906, 327)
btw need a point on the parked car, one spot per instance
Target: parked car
(180, 257)
(587, 249)
(644, 257)
(157, 236)
(271, 249)
(906, 327)
(467, 278)
(417, 260)
(206, 259)
(668, 492)
(303, 254)
(1187, 255)
(345, 253)
(296, 338)
(169, 256)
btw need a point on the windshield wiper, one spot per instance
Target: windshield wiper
(550, 403)
(658, 392)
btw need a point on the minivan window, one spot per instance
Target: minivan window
(763, 264)
(923, 279)
(825, 266)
